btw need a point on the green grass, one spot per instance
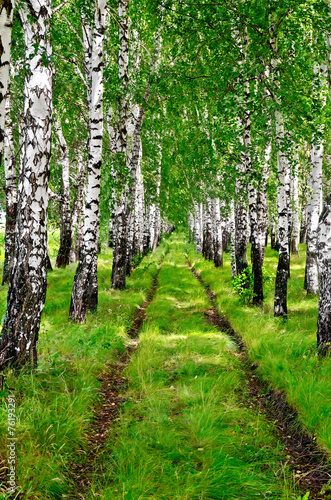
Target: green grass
(188, 432)
(284, 350)
(54, 403)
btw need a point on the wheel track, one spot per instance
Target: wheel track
(310, 464)
(106, 411)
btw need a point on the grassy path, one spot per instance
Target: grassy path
(173, 419)
(186, 432)
(285, 351)
(54, 405)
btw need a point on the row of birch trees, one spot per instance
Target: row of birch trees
(53, 144)
(141, 116)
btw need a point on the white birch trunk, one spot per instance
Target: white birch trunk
(233, 239)
(295, 211)
(315, 196)
(85, 287)
(6, 22)
(190, 226)
(139, 212)
(218, 243)
(77, 213)
(157, 221)
(324, 267)
(207, 244)
(198, 226)
(122, 214)
(28, 280)
(280, 304)
(11, 193)
(314, 206)
(241, 228)
(63, 256)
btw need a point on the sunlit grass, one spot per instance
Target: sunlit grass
(284, 350)
(185, 432)
(54, 403)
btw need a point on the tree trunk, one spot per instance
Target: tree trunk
(304, 211)
(314, 206)
(85, 287)
(146, 229)
(77, 212)
(241, 221)
(28, 280)
(218, 243)
(274, 242)
(6, 22)
(207, 245)
(139, 213)
(257, 209)
(121, 227)
(122, 214)
(128, 144)
(191, 227)
(198, 226)
(295, 211)
(63, 256)
(233, 239)
(324, 267)
(157, 221)
(280, 304)
(11, 194)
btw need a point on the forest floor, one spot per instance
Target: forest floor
(156, 398)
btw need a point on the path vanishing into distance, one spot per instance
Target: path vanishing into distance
(180, 411)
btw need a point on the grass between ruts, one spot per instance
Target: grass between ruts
(54, 402)
(285, 351)
(186, 431)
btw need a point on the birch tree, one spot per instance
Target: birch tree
(85, 287)
(28, 280)
(283, 199)
(63, 256)
(11, 193)
(6, 21)
(324, 267)
(315, 195)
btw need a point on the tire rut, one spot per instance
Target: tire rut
(309, 463)
(106, 411)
